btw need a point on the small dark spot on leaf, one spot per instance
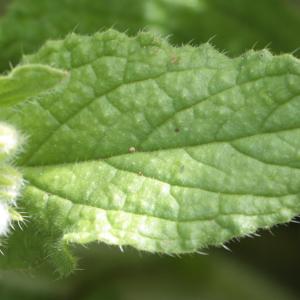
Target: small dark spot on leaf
(177, 129)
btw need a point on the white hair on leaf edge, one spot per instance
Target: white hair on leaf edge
(5, 219)
(10, 179)
(11, 184)
(9, 140)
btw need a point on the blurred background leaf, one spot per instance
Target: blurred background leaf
(113, 275)
(234, 26)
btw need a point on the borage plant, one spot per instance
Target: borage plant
(132, 141)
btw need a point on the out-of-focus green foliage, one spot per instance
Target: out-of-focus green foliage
(236, 25)
(112, 275)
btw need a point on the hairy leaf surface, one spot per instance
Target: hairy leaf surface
(165, 149)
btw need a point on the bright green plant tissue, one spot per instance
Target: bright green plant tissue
(165, 149)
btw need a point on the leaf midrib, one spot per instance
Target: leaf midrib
(24, 166)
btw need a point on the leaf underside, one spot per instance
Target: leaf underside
(165, 149)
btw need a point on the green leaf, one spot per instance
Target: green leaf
(27, 81)
(235, 25)
(165, 149)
